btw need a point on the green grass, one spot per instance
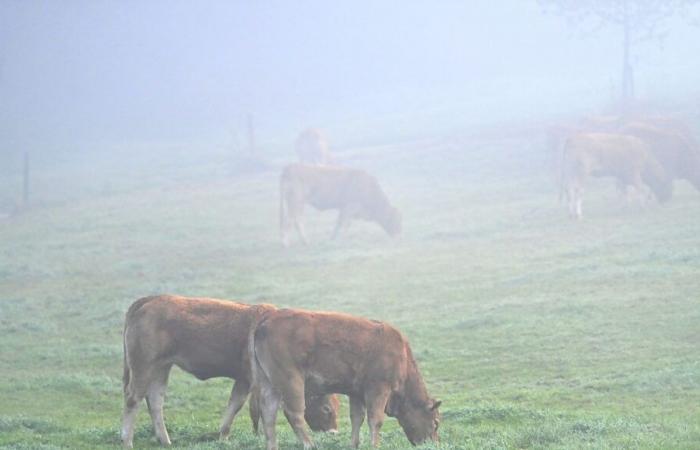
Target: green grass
(535, 331)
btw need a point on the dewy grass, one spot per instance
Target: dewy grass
(534, 330)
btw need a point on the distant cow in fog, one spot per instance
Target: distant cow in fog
(353, 192)
(312, 148)
(626, 158)
(371, 362)
(677, 153)
(205, 337)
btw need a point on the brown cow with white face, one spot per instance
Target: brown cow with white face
(626, 158)
(312, 148)
(371, 362)
(353, 192)
(205, 337)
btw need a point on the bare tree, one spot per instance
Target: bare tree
(638, 20)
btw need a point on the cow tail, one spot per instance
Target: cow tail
(255, 369)
(126, 378)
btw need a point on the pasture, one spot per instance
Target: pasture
(536, 331)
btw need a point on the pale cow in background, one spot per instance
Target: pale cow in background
(312, 148)
(353, 192)
(670, 140)
(626, 158)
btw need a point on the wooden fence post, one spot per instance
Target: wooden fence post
(25, 190)
(251, 137)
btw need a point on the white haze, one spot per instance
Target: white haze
(77, 75)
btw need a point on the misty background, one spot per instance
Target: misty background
(81, 77)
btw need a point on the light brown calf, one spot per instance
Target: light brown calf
(354, 193)
(371, 362)
(205, 337)
(626, 158)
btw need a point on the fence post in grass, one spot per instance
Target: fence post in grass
(251, 137)
(25, 189)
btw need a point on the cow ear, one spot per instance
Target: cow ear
(435, 404)
(392, 406)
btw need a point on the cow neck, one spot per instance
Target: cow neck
(414, 387)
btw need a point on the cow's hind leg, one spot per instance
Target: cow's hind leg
(575, 200)
(295, 210)
(294, 404)
(239, 393)
(357, 416)
(345, 215)
(300, 229)
(134, 393)
(254, 407)
(376, 400)
(269, 404)
(155, 397)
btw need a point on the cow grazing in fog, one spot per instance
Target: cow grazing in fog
(671, 139)
(626, 158)
(354, 193)
(675, 150)
(312, 148)
(371, 362)
(205, 337)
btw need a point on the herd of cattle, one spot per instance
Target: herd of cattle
(644, 154)
(291, 358)
(299, 360)
(650, 151)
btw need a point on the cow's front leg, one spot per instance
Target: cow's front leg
(155, 397)
(376, 400)
(357, 416)
(239, 393)
(294, 404)
(300, 229)
(345, 215)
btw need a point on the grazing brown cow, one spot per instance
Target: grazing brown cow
(677, 153)
(355, 193)
(626, 158)
(312, 148)
(371, 362)
(205, 337)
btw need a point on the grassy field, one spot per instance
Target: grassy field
(534, 330)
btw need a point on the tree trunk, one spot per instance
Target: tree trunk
(251, 137)
(627, 70)
(25, 190)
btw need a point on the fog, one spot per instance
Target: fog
(487, 177)
(78, 75)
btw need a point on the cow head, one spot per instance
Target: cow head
(391, 222)
(658, 180)
(322, 412)
(692, 167)
(419, 420)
